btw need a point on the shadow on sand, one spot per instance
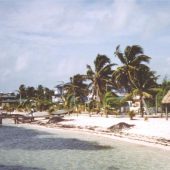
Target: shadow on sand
(12, 137)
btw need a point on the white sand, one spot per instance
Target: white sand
(158, 127)
(154, 132)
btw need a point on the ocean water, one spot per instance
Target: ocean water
(29, 149)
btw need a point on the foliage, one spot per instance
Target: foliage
(75, 91)
(40, 98)
(131, 59)
(100, 76)
(134, 75)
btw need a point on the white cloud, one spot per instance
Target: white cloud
(5, 74)
(168, 60)
(64, 22)
(36, 33)
(21, 63)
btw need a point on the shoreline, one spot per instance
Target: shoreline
(147, 143)
(153, 133)
(134, 139)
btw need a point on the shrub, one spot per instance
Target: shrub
(131, 114)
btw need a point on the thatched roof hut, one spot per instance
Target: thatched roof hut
(166, 102)
(166, 99)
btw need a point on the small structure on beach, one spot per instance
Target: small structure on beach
(166, 102)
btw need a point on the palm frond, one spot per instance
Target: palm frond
(131, 52)
(147, 95)
(106, 70)
(101, 61)
(140, 59)
(128, 96)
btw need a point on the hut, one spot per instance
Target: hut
(166, 102)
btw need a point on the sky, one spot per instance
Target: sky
(48, 41)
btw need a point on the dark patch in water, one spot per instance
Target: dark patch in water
(30, 139)
(112, 168)
(18, 167)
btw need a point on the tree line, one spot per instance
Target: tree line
(98, 88)
(104, 79)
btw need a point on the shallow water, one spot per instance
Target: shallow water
(29, 149)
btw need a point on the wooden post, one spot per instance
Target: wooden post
(166, 112)
(0, 120)
(156, 105)
(15, 120)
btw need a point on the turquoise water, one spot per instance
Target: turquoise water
(29, 149)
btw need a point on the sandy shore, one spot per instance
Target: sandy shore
(154, 132)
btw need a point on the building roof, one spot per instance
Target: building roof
(166, 98)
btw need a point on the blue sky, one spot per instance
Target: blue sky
(46, 41)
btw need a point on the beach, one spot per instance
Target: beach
(154, 132)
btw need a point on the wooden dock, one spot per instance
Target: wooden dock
(18, 118)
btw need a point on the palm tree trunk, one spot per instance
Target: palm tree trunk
(166, 112)
(131, 80)
(141, 106)
(147, 111)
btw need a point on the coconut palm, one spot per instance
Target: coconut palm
(100, 76)
(134, 75)
(131, 59)
(40, 92)
(22, 91)
(145, 85)
(30, 92)
(76, 90)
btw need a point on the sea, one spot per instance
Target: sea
(27, 148)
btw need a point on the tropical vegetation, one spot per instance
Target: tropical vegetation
(98, 89)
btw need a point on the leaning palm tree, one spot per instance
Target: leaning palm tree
(131, 59)
(100, 76)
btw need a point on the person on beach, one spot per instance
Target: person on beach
(32, 111)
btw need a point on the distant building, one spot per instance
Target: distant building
(8, 98)
(59, 91)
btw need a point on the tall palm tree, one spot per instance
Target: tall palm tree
(134, 75)
(131, 59)
(100, 76)
(145, 85)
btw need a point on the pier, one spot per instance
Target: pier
(18, 118)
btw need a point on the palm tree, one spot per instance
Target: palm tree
(76, 90)
(134, 75)
(30, 92)
(40, 92)
(132, 58)
(145, 85)
(100, 76)
(22, 91)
